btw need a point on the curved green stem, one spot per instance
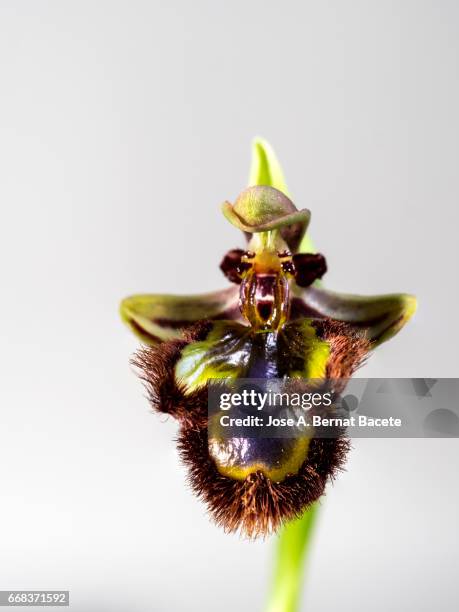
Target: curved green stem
(295, 537)
(291, 553)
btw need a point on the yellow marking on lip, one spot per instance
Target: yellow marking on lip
(227, 465)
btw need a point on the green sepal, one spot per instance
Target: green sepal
(265, 167)
(381, 316)
(158, 318)
(266, 170)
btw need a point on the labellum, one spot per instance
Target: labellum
(274, 321)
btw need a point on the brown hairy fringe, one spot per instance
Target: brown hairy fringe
(255, 506)
(155, 367)
(348, 347)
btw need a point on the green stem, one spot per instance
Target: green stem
(295, 537)
(291, 553)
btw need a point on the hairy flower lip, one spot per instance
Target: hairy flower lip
(254, 505)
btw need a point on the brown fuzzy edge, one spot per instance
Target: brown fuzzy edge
(155, 367)
(349, 347)
(257, 506)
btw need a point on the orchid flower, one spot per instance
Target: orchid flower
(274, 319)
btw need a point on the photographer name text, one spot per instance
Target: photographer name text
(313, 421)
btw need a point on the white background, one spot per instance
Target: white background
(123, 125)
